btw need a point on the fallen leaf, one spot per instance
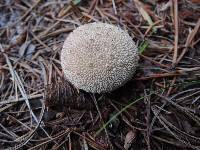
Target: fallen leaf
(19, 38)
(129, 139)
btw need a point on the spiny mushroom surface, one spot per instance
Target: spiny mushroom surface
(99, 57)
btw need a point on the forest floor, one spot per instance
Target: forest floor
(159, 109)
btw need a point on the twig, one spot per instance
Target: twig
(158, 76)
(19, 84)
(39, 41)
(27, 12)
(176, 33)
(189, 40)
(153, 61)
(148, 118)
(13, 100)
(99, 112)
(171, 86)
(114, 7)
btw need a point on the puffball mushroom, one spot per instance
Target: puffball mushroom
(99, 57)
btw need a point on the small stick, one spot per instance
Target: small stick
(155, 62)
(171, 87)
(189, 41)
(114, 7)
(176, 33)
(27, 12)
(158, 76)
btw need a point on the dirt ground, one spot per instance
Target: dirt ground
(159, 109)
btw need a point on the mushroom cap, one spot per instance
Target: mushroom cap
(99, 57)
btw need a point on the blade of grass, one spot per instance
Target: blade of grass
(119, 112)
(145, 15)
(143, 46)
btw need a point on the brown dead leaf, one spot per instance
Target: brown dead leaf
(129, 139)
(19, 39)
